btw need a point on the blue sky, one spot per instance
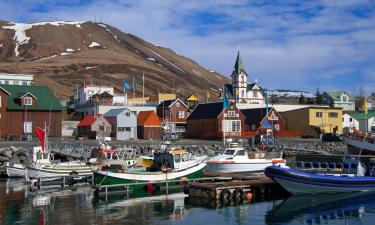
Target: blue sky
(304, 45)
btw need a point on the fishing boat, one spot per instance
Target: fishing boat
(364, 145)
(15, 170)
(169, 165)
(238, 159)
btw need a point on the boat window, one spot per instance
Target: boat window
(324, 165)
(354, 166)
(240, 152)
(339, 165)
(299, 164)
(184, 157)
(177, 158)
(316, 165)
(346, 166)
(108, 156)
(331, 165)
(45, 155)
(229, 152)
(308, 165)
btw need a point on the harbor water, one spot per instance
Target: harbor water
(78, 205)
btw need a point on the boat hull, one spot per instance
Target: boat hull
(57, 172)
(13, 171)
(297, 182)
(232, 166)
(110, 178)
(359, 146)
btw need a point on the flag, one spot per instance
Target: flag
(41, 135)
(208, 95)
(126, 85)
(225, 100)
(134, 86)
(364, 105)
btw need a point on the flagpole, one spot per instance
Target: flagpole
(133, 90)
(222, 121)
(143, 88)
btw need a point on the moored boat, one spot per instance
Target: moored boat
(238, 159)
(15, 170)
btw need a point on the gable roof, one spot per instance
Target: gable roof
(255, 115)
(361, 115)
(45, 99)
(115, 112)
(88, 120)
(149, 118)
(209, 110)
(335, 95)
(251, 86)
(168, 103)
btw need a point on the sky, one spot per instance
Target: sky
(290, 44)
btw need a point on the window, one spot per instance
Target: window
(351, 119)
(6, 82)
(24, 83)
(177, 104)
(344, 98)
(101, 128)
(255, 93)
(240, 152)
(127, 114)
(242, 94)
(27, 101)
(319, 114)
(122, 129)
(253, 127)
(231, 114)
(333, 114)
(181, 114)
(276, 127)
(232, 125)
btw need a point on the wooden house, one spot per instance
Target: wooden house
(209, 120)
(148, 125)
(191, 101)
(258, 119)
(94, 125)
(124, 123)
(23, 108)
(174, 113)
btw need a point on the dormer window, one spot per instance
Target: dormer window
(28, 101)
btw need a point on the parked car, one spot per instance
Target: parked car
(331, 137)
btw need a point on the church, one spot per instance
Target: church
(242, 92)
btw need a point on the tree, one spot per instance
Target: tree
(274, 99)
(301, 99)
(318, 97)
(310, 101)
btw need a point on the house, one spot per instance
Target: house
(191, 101)
(258, 119)
(339, 99)
(371, 102)
(209, 120)
(103, 98)
(242, 92)
(174, 113)
(349, 123)
(93, 126)
(313, 121)
(148, 125)
(23, 108)
(124, 123)
(16, 79)
(364, 122)
(85, 92)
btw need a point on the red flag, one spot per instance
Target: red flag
(40, 133)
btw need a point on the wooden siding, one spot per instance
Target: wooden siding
(149, 132)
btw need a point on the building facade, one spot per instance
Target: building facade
(363, 122)
(339, 99)
(16, 79)
(94, 126)
(313, 121)
(258, 119)
(242, 92)
(23, 108)
(124, 123)
(211, 120)
(148, 125)
(174, 114)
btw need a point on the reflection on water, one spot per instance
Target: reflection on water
(78, 206)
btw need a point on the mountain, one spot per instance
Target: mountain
(63, 54)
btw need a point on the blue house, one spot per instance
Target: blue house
(124, 123)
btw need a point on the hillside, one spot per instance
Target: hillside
(63, 54)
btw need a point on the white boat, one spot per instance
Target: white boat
(238, 159)
(15, 170)
(360, 146)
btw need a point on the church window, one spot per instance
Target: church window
(242, 93)
(255, 93)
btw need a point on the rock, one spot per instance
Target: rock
(3, 159)
(15, 160)
(8, 153)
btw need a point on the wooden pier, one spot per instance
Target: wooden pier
(62, 181)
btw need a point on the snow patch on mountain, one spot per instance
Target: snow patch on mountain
(69, 50)
(166, 60)
(94, 44)
(289, 93)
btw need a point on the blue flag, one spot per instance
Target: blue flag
(225, 100)
(126, 85)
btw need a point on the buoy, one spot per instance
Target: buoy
(249, 196)
(151, 188)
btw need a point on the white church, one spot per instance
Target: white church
(242, 92)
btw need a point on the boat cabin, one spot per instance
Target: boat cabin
(175, 159)
(40, 156)
(241, 153)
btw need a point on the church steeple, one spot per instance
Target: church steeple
(238, 67)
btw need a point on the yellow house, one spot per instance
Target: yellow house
(312, 121)
(191, 100)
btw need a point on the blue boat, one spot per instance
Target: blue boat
(300, 182)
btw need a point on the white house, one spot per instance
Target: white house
(124, 123)
(86, 91)
(366, 122)
(339, 99)
(350, 123)
(16, 79)
(242, 92)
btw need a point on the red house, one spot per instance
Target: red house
(148, 125)
(209, 120)
(257, 119)
(174, 112)
(94, 125)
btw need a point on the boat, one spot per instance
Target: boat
(169, 165)
(238, 159)
(356, 145)
(301, 182)
(15, 170)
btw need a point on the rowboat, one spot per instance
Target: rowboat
(237, 159)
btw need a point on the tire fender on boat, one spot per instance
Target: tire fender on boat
(237, 194)
(225, 195)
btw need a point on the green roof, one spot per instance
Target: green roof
(45, 99)
(238, 66)
(361, 115)
(335, 95)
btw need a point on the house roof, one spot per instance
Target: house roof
(250, 86)
(335, 95)
(88, 120)
(168, 103)
(238, 66)
(255, 115)
(206, 111)
(192, 98)
(361, 115)
(45, 99)
(149, 118)
(115, 112)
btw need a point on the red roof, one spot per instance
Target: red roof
(148, 118)
(88, 120)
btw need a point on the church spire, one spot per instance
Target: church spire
(238, 67)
